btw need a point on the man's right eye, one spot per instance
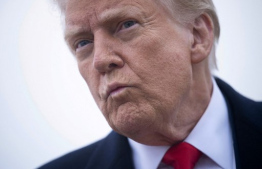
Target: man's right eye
(82, 43)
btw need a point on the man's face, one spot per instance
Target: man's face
(136, 61)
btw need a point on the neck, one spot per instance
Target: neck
(192, 108)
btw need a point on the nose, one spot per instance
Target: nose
(106, 56)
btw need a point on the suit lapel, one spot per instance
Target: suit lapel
(113, 152)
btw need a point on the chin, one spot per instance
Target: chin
(132, 121)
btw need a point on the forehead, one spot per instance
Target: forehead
(80, 11)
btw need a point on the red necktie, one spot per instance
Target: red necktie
(182, 156)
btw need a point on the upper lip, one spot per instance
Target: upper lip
(113, 86)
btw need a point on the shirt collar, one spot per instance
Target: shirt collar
(147, 157)
(211, 135)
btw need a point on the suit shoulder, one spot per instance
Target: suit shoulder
(75, 159)
(243, 109)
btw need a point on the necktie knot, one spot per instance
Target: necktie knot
(182, 156)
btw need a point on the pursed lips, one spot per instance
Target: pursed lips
(114, 88)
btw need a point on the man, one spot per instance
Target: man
(147, 64)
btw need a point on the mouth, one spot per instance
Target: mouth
(114, 89)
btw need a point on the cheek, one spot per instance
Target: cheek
(164, 66)
(160, 56)
(91, 78)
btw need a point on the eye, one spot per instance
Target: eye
(83, 43)
(128, 24)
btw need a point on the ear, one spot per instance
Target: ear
(203, 38)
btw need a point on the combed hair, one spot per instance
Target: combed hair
(185, 11)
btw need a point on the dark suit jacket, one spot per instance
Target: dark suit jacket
(114, 152)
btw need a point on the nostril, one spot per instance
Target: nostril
(112, 65)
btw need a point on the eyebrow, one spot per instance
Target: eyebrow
(74, 31)
(105, 17)
(120, 12)
(111, 14)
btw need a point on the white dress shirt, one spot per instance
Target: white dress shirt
(212, 135)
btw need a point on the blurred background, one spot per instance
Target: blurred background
(46, 108)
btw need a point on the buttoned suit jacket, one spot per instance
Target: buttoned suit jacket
(114, 152)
